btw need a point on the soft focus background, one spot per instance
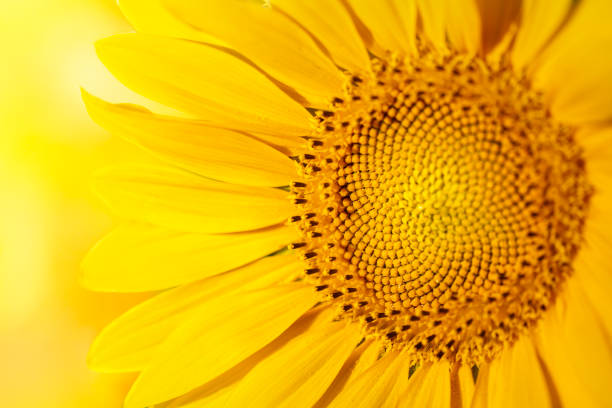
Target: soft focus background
(48, 217)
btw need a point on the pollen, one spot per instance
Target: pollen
(440, 206)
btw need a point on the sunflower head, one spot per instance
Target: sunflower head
(369, 204)
(441, 205)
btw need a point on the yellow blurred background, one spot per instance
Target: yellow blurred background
(48, 217)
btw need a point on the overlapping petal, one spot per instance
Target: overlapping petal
(230, 329)
(331, 25)
(514, 379)
(204, 80)
(183, 201)
(309, 363)
(140, 257)
(129, 342)
(379, 386)
(574, 70)
(212, 152)
(269, 39)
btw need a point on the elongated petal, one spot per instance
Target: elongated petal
(269, 39)
(129, 342)
(392, 30)
(299, 373)
(515, 379)
(216, 393)
(462, 386)
(361, 359)
(576, 350)
(496, 18)
(379, 386)
(578, 97)
(203, 80)
(459, 20)
(138, 258)
(225, 332)
(330, 23)
(211, 152)
(429, 387)
(539, 21)
(464, 25)
(183, 201)
(434, 22)
(151, 17)
(481, 390)
(593, 263)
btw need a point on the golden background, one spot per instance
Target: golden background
(48, 217)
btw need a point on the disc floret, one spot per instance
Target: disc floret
(440, 205)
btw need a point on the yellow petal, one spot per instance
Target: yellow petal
(593, 263)
(362, 358)
(433, 15)
(330, 23)
(216, 393)
(152, 17)
(592, 266)
(515, 379)
(379, 386)
(457, 19)
(269, 39)
(598, 156)
(216, 399)
(299, 373)
(463, 25)
(393, 31)
(574, 70)
(183, 201)
(203, 80)
(211, 152)
(576, 349)
(539, 21)
(496, 18)
(428, 387)
(138, 258)
(130, 341)
(462, 386)
(225, 331)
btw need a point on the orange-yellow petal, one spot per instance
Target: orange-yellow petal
(392, 31)
(576, 350)
(203, 80)
(539, 21)
(497, 18)
(379, 386)
(462, 386)
(138, 258)
(130, 341)
(183, 201)
(429, 387)
(151, 17)
(516, 379)
(222, 333)
(216, 153)
(574, 71)
(362, 358)
(457, 20)
(331, 25)
(300, 372)
(269, 39)
(216, 393)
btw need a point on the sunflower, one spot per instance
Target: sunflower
(374, 204)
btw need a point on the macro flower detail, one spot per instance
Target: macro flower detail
(442, 206)
(395, 203)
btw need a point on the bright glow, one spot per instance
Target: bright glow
(48, 218)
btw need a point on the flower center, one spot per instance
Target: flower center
(441, 206)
